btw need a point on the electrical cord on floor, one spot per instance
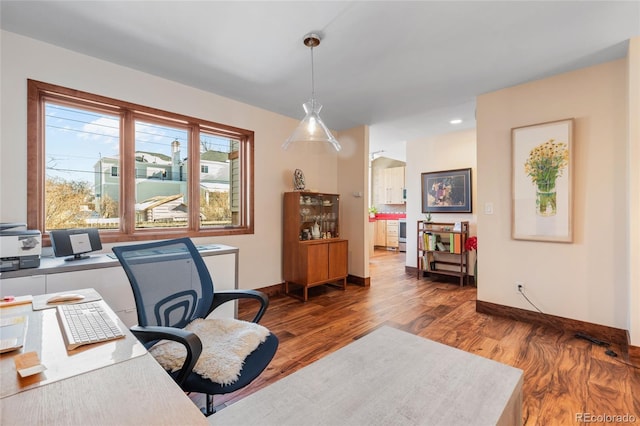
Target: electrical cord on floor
(615, 356)
(593, 340)
(608, 352)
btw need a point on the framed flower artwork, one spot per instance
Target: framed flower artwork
(541, 204)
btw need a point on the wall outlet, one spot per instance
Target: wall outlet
(519, 286)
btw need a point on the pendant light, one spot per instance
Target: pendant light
(312, 128)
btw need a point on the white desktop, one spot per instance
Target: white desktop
(112, 382)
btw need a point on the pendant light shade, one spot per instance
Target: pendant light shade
(312, 128)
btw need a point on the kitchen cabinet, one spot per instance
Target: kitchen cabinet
(379, 189)
(371, 232)
(394, 185)
(380, 237)
(386, 233)
(388, 186)
(392, 234)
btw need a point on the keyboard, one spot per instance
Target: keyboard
(86, 323)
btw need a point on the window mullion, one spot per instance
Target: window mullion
(35, 159)
(128, 175)
(194, 178)
(247, 180)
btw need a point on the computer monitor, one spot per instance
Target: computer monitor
(75, 242)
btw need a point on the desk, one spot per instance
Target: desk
(388, 377)
(104, 273)
(116, 382)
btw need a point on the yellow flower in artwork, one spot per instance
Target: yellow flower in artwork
(546, 163)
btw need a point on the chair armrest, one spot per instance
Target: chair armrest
(220, 297)
(189, 340)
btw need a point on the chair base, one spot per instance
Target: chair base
(209, 409)
(205, 403)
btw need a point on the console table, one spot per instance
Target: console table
(104, 273)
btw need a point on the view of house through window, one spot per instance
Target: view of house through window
(219, 180)
(161, 176)
(87, 183)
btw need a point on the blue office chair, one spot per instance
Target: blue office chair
(172, 287)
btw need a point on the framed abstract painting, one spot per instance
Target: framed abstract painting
(541, 205)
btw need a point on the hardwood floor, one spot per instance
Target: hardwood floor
(563, 376)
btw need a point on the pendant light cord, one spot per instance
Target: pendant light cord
(313, 85)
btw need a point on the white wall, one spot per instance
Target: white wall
(586, 280)
(353, 184)
(456, 150)
(260, 254)
(634, 190)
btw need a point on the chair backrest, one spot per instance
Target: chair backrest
(170, 281)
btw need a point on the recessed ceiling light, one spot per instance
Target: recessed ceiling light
(456, 121)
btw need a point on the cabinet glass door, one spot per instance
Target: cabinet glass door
(319, 215)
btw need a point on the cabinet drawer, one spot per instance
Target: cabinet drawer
(392, 233)
(22, 286)
(112, 284)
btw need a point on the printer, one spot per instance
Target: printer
(20, 248)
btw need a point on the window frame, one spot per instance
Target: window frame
(38, 93)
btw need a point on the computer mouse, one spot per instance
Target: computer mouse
(65, 297)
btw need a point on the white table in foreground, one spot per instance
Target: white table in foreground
(111, 383)
(388, 377)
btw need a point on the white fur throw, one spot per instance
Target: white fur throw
(226, 342)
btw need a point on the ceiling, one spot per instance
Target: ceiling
(405, 68)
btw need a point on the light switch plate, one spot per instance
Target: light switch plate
(488, 208)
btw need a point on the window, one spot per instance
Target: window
(133, 171)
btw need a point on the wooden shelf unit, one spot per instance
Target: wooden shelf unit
(452, 261)
(310, 261)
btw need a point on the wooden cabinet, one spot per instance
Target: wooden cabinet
(371, 233)
(392, 234)
(313, 253)
(380, 238)
(338, 254)
(441, 249)
(388, 185)
(394, 185)
(379, 189)
(386, 234)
